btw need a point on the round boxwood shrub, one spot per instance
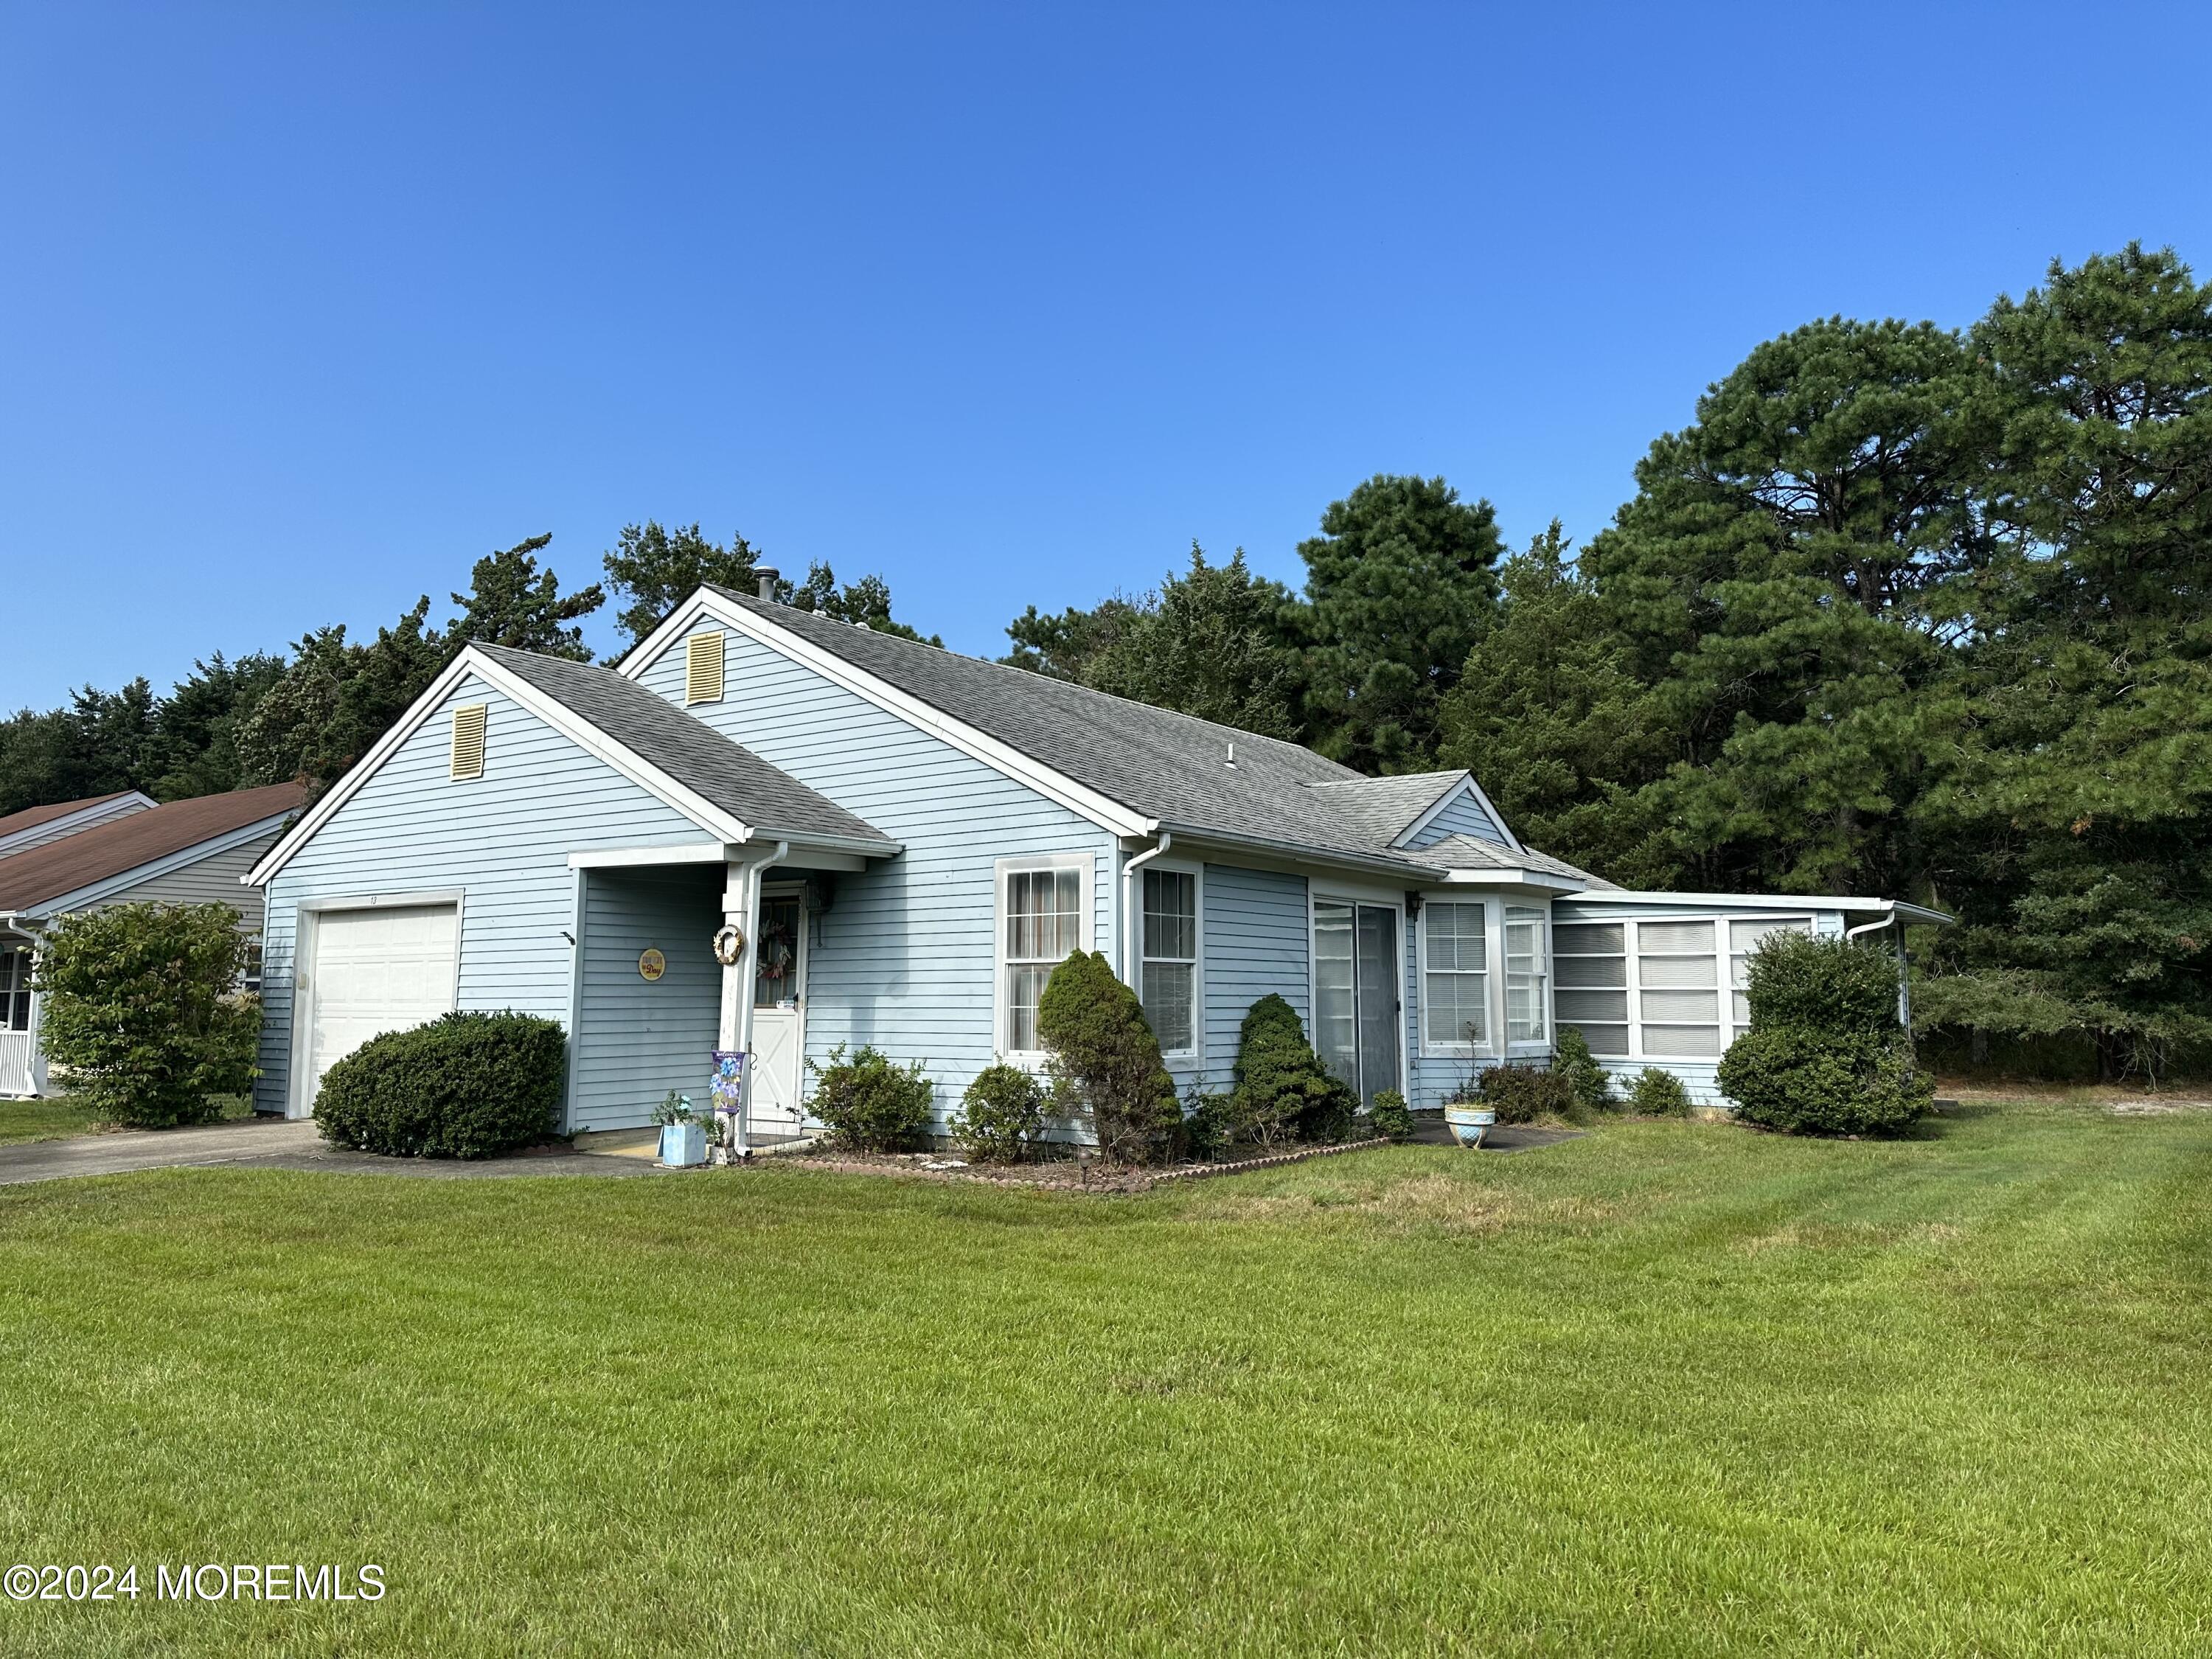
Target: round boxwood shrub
(1390, 1117)
(1658, 1094)
(871, 1105)
(1826, 1053)
(1001, 1117)
(465, 1085)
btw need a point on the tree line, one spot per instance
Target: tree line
(1905, 611)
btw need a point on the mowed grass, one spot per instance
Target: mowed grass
(1666, 1389)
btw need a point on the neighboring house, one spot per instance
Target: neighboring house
(907, 841)
(36, 826)
(189, 852)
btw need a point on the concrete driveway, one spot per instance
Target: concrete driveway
(282, 1143)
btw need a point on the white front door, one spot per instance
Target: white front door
(780, 1016)
(372, 972)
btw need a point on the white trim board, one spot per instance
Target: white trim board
(1002, 757)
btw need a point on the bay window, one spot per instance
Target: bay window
(1455, 975)
(1525, 975)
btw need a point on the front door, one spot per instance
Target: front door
(779, 1015)
(1357, 1031)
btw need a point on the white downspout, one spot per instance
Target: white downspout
(1904, 968)
(1129, 960)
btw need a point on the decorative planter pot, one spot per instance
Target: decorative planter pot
(1468, 1124)
(683, 1145)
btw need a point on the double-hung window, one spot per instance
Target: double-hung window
(1042, 918)
(1525, 974)
(1455, 975)
(1170, 985)
(14, 989)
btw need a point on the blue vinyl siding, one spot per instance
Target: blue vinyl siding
(905, 956)
(504, 839)
(1464, 815)
(636, 1038)
(1256, 940)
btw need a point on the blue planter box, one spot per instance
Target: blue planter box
(683, 1145)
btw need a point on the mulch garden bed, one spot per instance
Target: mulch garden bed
(1074, 1174)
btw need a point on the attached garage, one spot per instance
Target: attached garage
(365, 971)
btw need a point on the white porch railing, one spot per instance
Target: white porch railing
(18, 1076)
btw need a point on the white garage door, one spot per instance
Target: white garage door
(374, 971)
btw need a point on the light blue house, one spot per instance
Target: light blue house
(901, 843)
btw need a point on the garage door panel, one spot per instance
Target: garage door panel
(375, 971)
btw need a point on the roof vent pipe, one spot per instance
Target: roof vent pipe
(1232, 754)
(767, 575)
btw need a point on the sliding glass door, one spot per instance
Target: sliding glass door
(1356, 1011)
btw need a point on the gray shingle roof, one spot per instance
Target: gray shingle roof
(768, 800)
(1157, 762)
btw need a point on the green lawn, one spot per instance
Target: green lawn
(1670, 1388)
(60, 1118)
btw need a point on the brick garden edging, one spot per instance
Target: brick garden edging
(1207, 1171)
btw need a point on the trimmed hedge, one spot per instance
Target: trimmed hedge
(1106, 1063)
(1658, 1094)
(1001, 1116)
(870, 1104)
(1283, 1092)
(1826, 1053)
(465, 1085)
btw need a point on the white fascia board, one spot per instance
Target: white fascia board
(1436, 808)
(582, 732)
(1546, 879)
(1085, 802)
(623, 858)
(1913, 913)
(107, 886)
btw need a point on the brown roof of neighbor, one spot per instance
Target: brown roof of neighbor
(31, 878)
(32, 817)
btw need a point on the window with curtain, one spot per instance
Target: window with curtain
(1589, 962)
(1455, 975)
(1524, 973)
(14, 989)
(1171, 961)
(1678, 989)
(1043, 913)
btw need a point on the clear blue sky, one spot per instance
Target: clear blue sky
(308, 307)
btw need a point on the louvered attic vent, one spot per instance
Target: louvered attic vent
(468, 740)
(703, 668)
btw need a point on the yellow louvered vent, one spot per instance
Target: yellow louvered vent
(703, 668)
(468, 740)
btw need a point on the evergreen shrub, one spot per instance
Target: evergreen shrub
(870, 1105)
(1826, 1053)
(141, 1007)
(465, 1085)
(1001, 1116)
(1658, 1094)
(1105, 1061)
(1282, 1091)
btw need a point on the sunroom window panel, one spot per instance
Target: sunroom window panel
(1681, 1041)
(1743, 939)
(1599, 971)
(1677, 972)
(1524, 973)
(1574, 1006)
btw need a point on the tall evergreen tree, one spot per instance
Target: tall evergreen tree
(1208, 643)
(652, 570)
(866, 601)
(512, 602)
(1400, 584)
(1780, 581)
(2071, 821)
